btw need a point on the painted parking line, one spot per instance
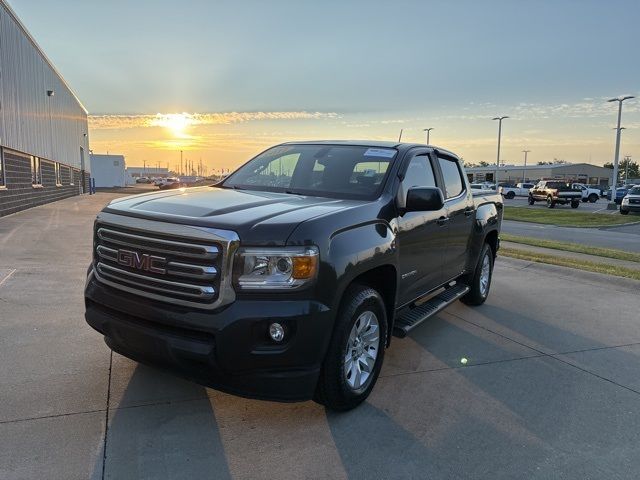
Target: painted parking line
(5, 274)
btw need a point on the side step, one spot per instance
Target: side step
(414, 317)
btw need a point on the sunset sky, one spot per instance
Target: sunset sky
(224, 80)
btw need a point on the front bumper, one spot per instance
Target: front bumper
(630, 207)
(227, 349)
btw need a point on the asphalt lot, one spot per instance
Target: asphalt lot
(626, 237)
(551, 387)
(599, 207)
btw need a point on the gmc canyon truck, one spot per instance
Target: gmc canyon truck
(287, 280)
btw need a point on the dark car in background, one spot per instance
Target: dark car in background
(621, 192)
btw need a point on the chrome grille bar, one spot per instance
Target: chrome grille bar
(183, 249)
(163, 286)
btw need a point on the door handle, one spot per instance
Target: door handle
(442, 220)
(468, 211)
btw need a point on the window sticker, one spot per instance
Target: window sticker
(380, 152)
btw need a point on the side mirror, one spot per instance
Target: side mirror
(424, 199)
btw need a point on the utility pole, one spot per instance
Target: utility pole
(180, 162)
(612, 204)
(525, 164)
(400, 137)
(428, 130)
(627, 159)
(499, 137)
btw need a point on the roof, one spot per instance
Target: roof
(15, 18)
(370, 143)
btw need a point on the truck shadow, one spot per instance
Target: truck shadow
(162, 427)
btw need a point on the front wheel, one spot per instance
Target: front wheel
(531, 200)
(593, 198)
(480, 283)
(510, 195)
(356, 351)
(624, 212)
(550, 202)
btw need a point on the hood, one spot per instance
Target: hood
(259, 218)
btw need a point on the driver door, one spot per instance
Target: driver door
(422, 236)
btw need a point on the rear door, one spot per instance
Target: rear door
(460, 213)
(422, 236)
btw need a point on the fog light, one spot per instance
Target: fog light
(276, 332)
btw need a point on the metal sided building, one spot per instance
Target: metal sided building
(44, 141)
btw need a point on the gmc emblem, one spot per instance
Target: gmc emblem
(142, 261)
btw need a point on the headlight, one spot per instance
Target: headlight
(625, 200)
(275, 268)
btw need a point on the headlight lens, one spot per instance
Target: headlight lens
(283, 268)
(625, 200)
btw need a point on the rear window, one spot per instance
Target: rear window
(558, 185)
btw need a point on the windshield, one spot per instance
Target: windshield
(340, 171)
(634, 191)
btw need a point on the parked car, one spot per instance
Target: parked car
(519, 190)
(293, 291)
(143, 180)
(589, 194)
(631, 201)
(554, 193)
(620, 194)
(159, 181)
(170, 183)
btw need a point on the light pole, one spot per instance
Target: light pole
(400, 136)
(180, 162)
(612, 204)
(499, 137)
(525, 164)
(428, 130)
(627, 159)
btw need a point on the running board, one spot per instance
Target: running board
(414, 317)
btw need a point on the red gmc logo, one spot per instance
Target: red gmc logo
(142, 261)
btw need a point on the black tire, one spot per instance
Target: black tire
(550, 202)
(593, 198)
(624, 212)
(585, 200)
(575, 204)
(531, 200)
(510, 195)
(477, 295)
(333, 390)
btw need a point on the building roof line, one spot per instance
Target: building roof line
(21, 25)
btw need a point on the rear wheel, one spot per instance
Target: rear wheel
(593, 198)
(531, 200)
(356, 351)
(550, 202)
(510, 195)
(480, 283)
(575, 204)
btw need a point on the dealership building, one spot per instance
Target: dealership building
(576, 172)
(44, 140)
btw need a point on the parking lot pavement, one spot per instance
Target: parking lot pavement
(599, 207)
(550, 388)
(625, 237)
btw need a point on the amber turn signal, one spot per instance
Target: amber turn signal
(304, 267)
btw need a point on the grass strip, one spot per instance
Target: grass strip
(572, 247)
(564, 218)
(570, 262)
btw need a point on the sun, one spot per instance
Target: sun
(176, 123)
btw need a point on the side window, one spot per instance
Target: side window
(36, 174)
(419, 173)
(2, 181)
(452, 177)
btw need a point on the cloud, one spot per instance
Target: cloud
(115, 121)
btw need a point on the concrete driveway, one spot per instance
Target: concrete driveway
(551, 388)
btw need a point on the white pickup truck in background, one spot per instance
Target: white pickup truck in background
(589, 194)
(520, 190)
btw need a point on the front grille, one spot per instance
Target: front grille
(634, 200)
(172, 263)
